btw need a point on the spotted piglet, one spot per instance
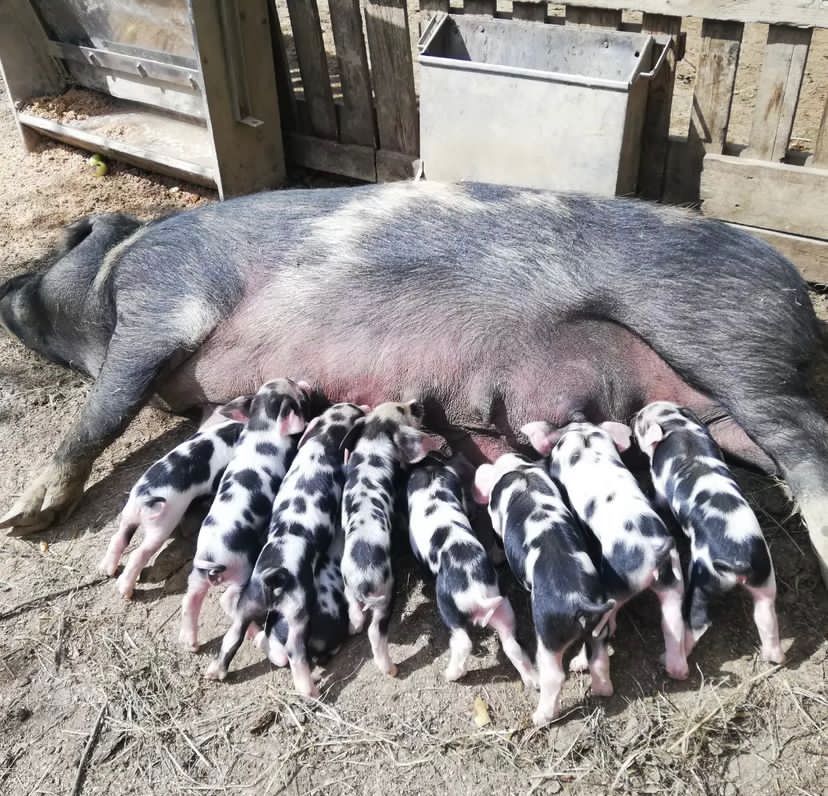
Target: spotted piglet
(233, 532)
(165, 491)
(288, 571)
(378, 449)
(726, 543)
(548, 551)
(637, 550)
(467, 592)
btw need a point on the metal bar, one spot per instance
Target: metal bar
(236, 68)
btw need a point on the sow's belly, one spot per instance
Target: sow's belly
(490, 383)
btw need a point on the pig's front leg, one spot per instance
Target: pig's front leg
(297, 656)
(669, 587)
(552, 676)
(599, 667)
(503, 622)
(197, 587)
(217, 670)
(119, 542)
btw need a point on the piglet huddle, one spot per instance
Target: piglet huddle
(299, 534)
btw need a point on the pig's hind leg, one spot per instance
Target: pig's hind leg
(197, 587)
(136, 354)
(378, 636)
(503, 622)
(599, 667)
(669, 587)
(764, 616)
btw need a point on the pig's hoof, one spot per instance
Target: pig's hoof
(453, 673)
(602, 689)
(278, 657)
(311, 690)
(52, 497)
(531, 680)
(773, 655)
(678, 671)
(108, 567)
(189, 642)
(390, 669)
(541, 718)
(259, 640)
(125, 588)
(215, 671)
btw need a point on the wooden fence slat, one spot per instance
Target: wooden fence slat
(357, 116)
(487, 7)
(531, 10)
(779, 84)
(598, 17)
(809, 255)
(775, 196)
(656, 130)
(392, 71)
(820, 157)
(435, 5)
(319, 154)
(281, 66)
(810, 13)
(313, 66)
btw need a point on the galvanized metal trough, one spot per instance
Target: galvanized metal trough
(523, 103)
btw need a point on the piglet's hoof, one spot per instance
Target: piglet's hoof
(215, 671)
(392, 670)
(773, 655)
(540, 718)
(188, 642)
(678, 671)
(531, 680)
(452, 674)
(602, 689)
(125, 588)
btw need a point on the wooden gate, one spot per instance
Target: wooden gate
(371, 131)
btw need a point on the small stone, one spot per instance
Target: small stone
(262, 722)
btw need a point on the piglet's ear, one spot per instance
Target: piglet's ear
(652, 436)
(619, 432)
(304, 386)
(413, 445)
(484, 481)
(291, 423)
(542, 436)
(238, 408)
(308, 429)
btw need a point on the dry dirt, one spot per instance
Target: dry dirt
(77, 663)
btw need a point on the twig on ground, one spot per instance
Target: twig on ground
(77, 786)
(45, 598)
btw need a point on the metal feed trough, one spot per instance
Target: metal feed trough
(542, 106)
(186, 88)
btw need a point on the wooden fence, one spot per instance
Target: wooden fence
(371, 133)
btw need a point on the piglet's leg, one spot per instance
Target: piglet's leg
(552, 676)
(378, 636)
(152, 542)
(700, 588)
(599, 667)
(356, 617)
(461, 647)
(669, 587)
(580, 663)
(197, 587)
(297, 656)
(120, 539)
(217, 670)
(503, 622)
(764, 615)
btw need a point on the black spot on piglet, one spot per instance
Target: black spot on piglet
(249, 479)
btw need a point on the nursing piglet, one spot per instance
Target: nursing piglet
(467, 592)
(380, 446)
(165, 491)
(637, 550)
(726, 542)
(303, 526)
(547, 550)
(233, 532)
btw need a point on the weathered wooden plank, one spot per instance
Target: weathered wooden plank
(479, 7)
(319, 154)
(811, 13)
(435, 5)
(313, 66)
(779, 83)
(392, 74)
(597, 17)
(357, 116)
(820, 157)
(249, 152)
(395, 166)
(281, 65)
(531, 10)
(809, 255)
(656, 130)
(759, 193)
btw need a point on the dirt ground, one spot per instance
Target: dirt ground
(90, 683)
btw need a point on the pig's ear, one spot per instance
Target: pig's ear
(484, 481)
(275, 579)
(542, 436)
(413, 445)
(238, 408)
(619, 432)
(308, 429)
(350, 440)
(365, 408)
(291, 423)
(652, 436)
(304, 386)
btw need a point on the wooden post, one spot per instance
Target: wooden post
(313, 66)
(820, 157)
(247, 141)
(487, 7)
(779, 84)
(656, 131)
(357, 116)
(531, 10)
(392, 73)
